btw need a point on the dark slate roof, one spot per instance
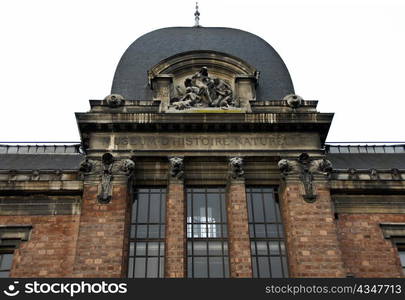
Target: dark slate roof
(367, 157)
(130, 79)
(40, 157)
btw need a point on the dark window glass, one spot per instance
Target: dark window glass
(146, 246)
(207, 246)
(6, 260)
(266, 234)
(401, 252)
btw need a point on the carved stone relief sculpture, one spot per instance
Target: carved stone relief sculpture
(305, 168)
(105, 170)
(236, 167)
(176, 168)
(201, 90)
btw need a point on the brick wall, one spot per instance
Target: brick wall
(311, 233)
(238, 231)
(103, 234)
(366, 253)
(175, 249)
(51, 249)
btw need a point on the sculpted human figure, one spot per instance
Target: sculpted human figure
(203, 82)
(190, 98)
(223, 93)
(202, 90)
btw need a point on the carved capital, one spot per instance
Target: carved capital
(105, 170)
(236, 168)
(305, 168)
(176, 167)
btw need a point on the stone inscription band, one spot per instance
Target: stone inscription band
(200, 141)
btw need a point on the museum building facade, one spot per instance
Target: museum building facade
(202, 163)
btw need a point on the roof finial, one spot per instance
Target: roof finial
(197, 16)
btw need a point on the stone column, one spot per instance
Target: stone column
(175, 241)
(240, 262)
(102, 246)
(307, 211)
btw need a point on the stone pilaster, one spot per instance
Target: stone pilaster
(238, 227)
(175, 241)
(104, 222)
(307, 212)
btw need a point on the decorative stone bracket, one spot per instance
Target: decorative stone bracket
(105, 170)
(176, 168)
(305, 168)
(236, 171)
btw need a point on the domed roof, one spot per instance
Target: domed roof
(131, 80)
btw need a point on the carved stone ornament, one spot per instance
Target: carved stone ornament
(396, 174)
(201, 90)
(85, 166)
(374, 174)
(114, 100)
(353, 174)
(106, 169)
(106, 177)
(293, 100)
(305, 168)
(176, 168)
(236, 167)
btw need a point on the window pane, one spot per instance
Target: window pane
(213, 209)
(152, 267)
(216, 267)
(260, 231)
(140, 249)
(214, 248)
(276, 271)
(200, 267)
(272, 231)
(131, 267)
(200, 248)
(142, 208)
(4, 274)
(153, 249)
(140, 267)
(264, 271)
(154, 208)
(274, 248)
(257, 208)
(154, 231)
(402, 257)
(142, 231)
(262, 248)
(198, 208)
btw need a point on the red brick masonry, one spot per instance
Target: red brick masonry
(240, 262)
(103, 234)
(366, 252)
(175, 248)
(311, 233)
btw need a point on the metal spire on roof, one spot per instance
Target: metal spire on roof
(197, 16)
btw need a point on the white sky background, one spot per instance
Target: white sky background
(56, 55)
